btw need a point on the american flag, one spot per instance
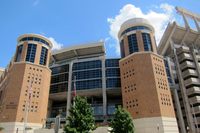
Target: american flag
(74, 87)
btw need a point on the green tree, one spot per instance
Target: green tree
(122, 122)
(81, 118)
(1, 128)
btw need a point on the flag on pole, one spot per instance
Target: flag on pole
(74, 87)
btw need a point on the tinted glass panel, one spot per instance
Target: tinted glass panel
(88, 74)
(122, 48)
(113, 72)
(135, 28)
(88, 84)
(31, 51)
(19, 53)
(35, 39)
(43, 56)
(87, 65)
(112, 62)
(60, 69)
(113, 82)
(147, 42)
(132, 43)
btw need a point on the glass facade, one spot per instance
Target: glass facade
(132, 43)
(135, 28)
(168, 71)
(19, 53)
(59, 79)
(87, 65)
(35, 39)
(122, 49)
(31, 51)
(112, 73)
(147, 42)
(88, 74)
(43, 56)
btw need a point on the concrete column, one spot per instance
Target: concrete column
(197, 25)
(69, 89)
(186, 22)
(179, 111)
(183, 92)
(104, 88)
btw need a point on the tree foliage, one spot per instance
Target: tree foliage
(81, 118)
(1, 128)
(122, 122)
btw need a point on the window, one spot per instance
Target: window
(135, 28)
(87, 65)
(113, 72)
(60, 69)
(147, 42)
(122, 48)
(43, 56)
(35, 39)
(112, 62)
(19, 53)
(113, 82)
(88, 84)
(87, 74)
(132, 42)
(30, 55)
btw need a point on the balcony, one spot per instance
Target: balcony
(184, 56)
(189, 72)
(194, 100)
(198, 57)
(183, 49)
(191, 81)
(196, 110)
(193, 90)
(187, 64)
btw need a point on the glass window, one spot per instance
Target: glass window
(61, 87)
(43, 56)
(112, 62)
(88, 84)
(122, 48)
(60, 69)
(111, 109)
(35, 39)
(113, 82)
(87, 65)
(19, 53)
(113, 72)
(135, 28)
(87, 74)
(59, 78)
(147, 42)
(132, 42)
(31, 51)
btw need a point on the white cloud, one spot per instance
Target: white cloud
(159, 20)
(56, 45)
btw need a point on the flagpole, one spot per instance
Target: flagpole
(74, 91)
(27, 106)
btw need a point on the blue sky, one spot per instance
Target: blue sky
(71, 22)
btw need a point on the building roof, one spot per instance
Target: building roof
(35, 35)
(178, 35)
(134, 22)
(83, 50)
